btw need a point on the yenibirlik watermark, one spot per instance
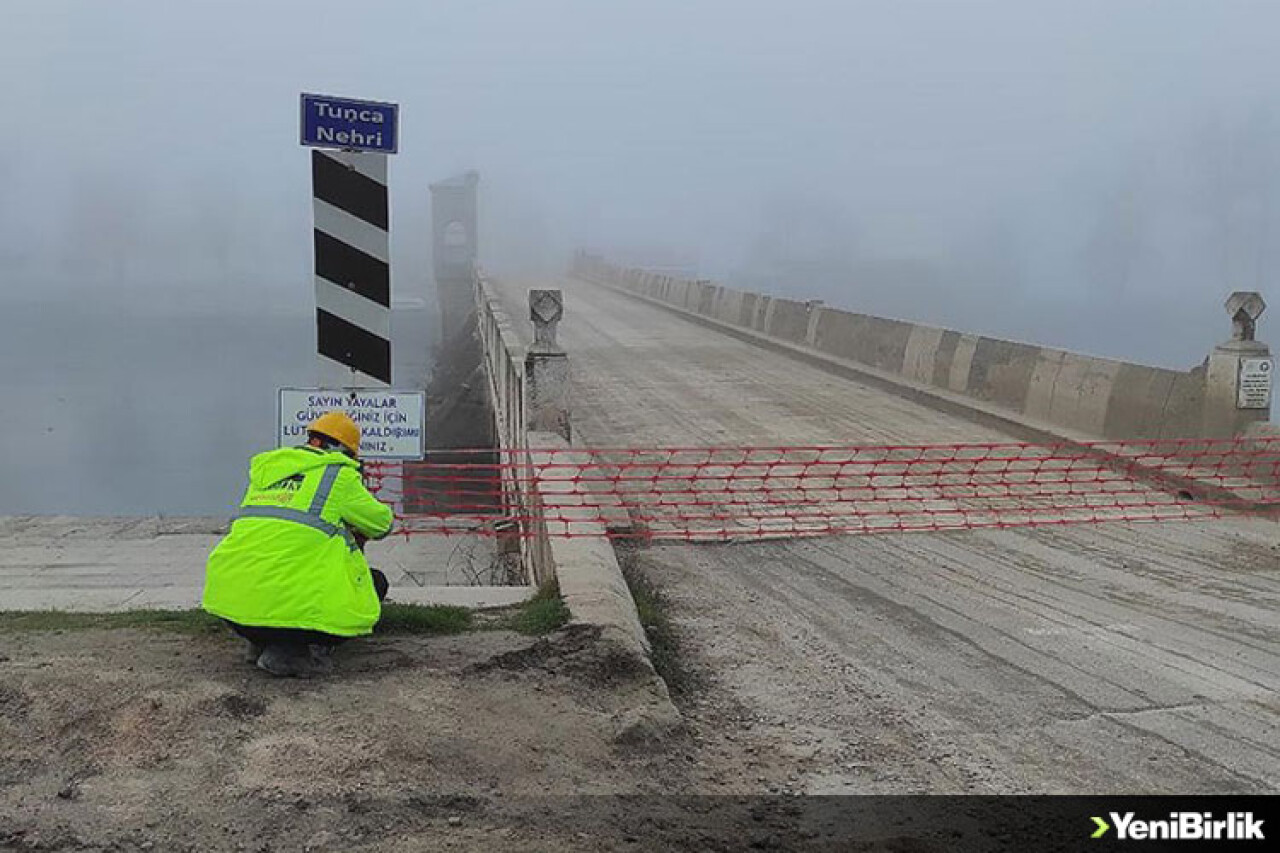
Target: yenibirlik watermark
(1181, 826)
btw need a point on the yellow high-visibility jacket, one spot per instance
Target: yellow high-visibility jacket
(290, 560)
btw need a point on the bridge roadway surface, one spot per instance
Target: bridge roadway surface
(1097, 658)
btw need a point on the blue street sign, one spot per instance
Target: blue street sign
(346, 123)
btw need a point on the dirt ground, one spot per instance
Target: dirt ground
(126, 740)
(814, 668)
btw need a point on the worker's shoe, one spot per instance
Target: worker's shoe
(322, 659)
(287, 661)
(252, 651)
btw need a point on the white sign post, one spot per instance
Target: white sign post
(391, 422)
(1254, 387)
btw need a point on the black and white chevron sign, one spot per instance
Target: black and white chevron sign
(353, 270)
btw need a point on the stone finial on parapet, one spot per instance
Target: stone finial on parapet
(547, 368)
(546, 307)
(1237, 390)
(1244, 307)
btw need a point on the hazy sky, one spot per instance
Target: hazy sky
(1096, 174)
(994, 132)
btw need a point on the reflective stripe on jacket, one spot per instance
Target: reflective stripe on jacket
(290, 560)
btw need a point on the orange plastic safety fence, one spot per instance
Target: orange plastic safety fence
(735, 493)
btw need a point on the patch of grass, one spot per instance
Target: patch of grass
(181, 621)
(653, 610)
(423, 619)
(542, 614)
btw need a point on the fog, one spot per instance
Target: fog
(1092, 174)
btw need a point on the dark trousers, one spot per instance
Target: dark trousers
(301, 636)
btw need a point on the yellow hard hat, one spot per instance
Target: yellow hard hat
(339, 427)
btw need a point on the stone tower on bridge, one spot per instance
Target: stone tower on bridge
(458, 412)
(455, 249)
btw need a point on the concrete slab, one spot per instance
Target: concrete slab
(1093, 659)
(428, 560)
(471, 597)
(110, 600)
(111, 564)
(643, 377)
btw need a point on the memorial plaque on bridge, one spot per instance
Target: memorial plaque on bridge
(1255, 383)
(391, 422)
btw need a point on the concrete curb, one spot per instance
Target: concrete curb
(584, 564)
(593, 588)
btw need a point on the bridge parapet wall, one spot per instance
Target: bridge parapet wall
(1092, 395)
(529, 390)
(504, 359)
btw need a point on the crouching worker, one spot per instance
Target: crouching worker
(291, 576)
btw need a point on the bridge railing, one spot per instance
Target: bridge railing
(504, 361)
(1091, 396)
(555, 524)
(504, 369)
(528, 389)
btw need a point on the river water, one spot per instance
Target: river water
(115, 412)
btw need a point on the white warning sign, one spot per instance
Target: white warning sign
(1254, 388)
(391, 422)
